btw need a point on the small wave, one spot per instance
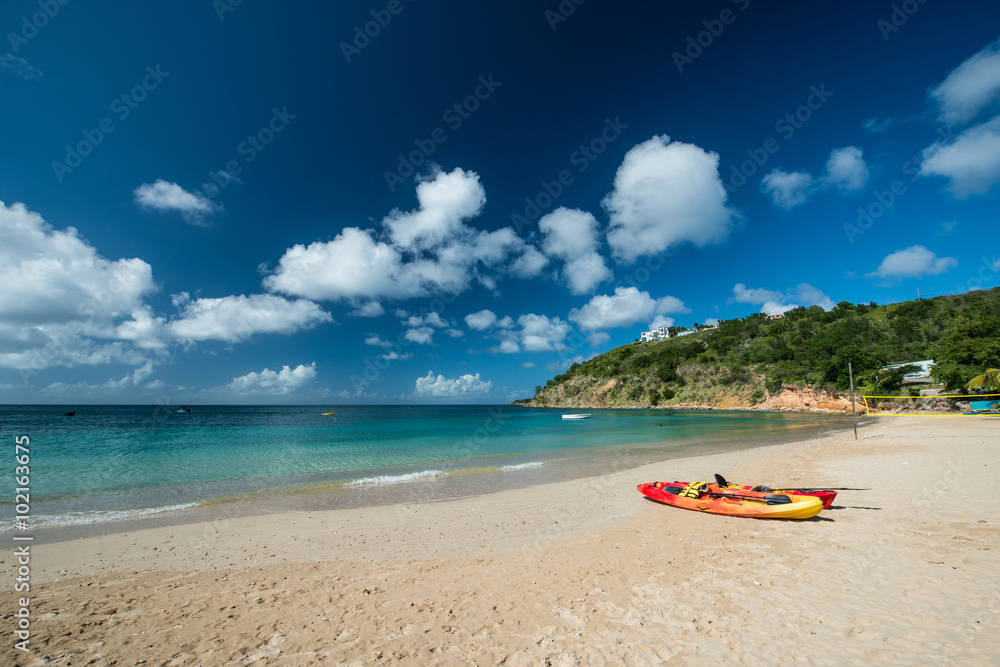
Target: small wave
(96, 516)
(395, 479)
(522, 466)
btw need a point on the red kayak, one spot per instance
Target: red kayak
(826, 496)
(706, 497)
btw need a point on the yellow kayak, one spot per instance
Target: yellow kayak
(704, 497)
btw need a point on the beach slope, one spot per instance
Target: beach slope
(901, 570)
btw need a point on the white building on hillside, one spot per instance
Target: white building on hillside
(655, 334)
(663, 333)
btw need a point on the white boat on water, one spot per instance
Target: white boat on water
(576, 416)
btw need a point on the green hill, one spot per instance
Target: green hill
(746, 362)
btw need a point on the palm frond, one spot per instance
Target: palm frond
(990, 381)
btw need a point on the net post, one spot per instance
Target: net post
(854, 412)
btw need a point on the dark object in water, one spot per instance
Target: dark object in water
(69, 414)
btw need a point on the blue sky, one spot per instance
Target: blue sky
(415, 202)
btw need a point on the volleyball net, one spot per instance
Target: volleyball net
(931, 406)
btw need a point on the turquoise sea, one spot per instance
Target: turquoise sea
(111, 468)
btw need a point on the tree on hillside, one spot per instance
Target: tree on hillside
(966, 349)
(862, 362)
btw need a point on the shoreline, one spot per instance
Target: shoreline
(430, 481)
(582, 570)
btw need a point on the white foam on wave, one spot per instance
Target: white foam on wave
(522, 466)
(96, 516)
(396, 479)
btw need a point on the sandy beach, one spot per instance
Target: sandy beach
(902, 570)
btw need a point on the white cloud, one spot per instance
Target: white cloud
(440, 386)
(19, 67)
(444, 202)
(369, 309)
(537, 333)
(423, 252)
(846, 168)
(392, 355)
(571, 235)
(233, 319)
(742, 294)
(529, 264)
(377, 341)
(432, 319)
(971, 161)
(598, 338)
(541, 334)
(970, 88)
(625, 308)
(508, 346)
(61, 302)
(787, 189)
(165, 196)
(145, 330)
(420, 335)
(481, 320)
(665, 194)
(421, 328)
(486, 319)
(814, 297)
(711, 322)
(285, 381)
(137, 376)
(661, 321)
(111, 387)
(352, 265)
(773, 303)
(368, 396)
(913, 262)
